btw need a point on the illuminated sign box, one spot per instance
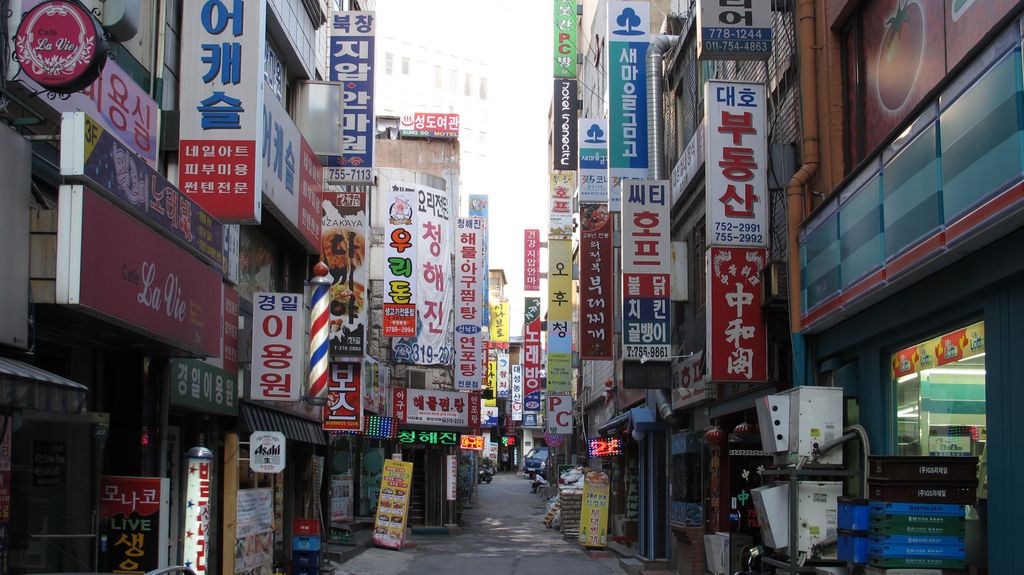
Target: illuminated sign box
(474, 442)
(604, 447)
(409, 437)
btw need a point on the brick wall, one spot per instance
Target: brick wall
(688, 550)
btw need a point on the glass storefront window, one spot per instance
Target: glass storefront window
(940, 398)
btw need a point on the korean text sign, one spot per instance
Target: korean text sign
(393, 504)
(429, 125)
(565, 39)
(560, 280)
(629, 25)
(596, 287)
(469, 274)
(344, 242)
(221, 106)
(277, 347)
(499, 322)
(134, 521)
(593, 162)
(516, 404)
(352, 64)
(565, 124)
(734, 30)
(531, 355)
(559, 415)
(737, 185)
(736, 340)
(400, 240)
(646, 266)
(559, 358)
(563, 185)
(433, 408)
(203, 387)
(344, 409)
(531, 260)
(504, 377)
(479, 208)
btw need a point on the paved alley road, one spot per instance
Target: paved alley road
(503, 534)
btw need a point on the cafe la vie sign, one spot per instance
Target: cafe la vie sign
(60, 45)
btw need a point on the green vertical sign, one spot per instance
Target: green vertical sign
(203, 387)
(565, 38)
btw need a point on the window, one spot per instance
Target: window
(483, 88)
(697, 264)
(853, 86)
(389, 63)
(405, 66)
(453, 80)
(438, 78)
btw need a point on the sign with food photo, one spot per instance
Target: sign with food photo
(344, 247)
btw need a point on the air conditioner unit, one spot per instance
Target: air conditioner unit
(774, 289)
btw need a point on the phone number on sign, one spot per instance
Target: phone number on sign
(348, 175)
(647, 351)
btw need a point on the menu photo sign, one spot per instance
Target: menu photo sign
(393, 504)
(343, 238)
(134, 518)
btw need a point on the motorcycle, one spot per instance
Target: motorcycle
(486, 474)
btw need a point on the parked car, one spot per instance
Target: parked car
(536, 460)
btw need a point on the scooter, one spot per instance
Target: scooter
(486, 474)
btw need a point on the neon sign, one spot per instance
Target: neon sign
(604, 447)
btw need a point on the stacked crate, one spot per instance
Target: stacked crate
(306, 547)
(571, 501)
(917, 516)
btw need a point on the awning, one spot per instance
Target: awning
(640, 418)
(259, 418)
(28, 387)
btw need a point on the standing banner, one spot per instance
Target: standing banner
(432, 343)
(594, 514)
(516, 405)
(344, 409)
(646, 267)
(469, 273)
(278, 345)
(220, 162)
(560, 214)
(133, 521)
(596, 281)
(400, 243)
(341, 498)
(254, 530)
(737, 345)
(593, 162)
(504, 376)
(629, 25)
(393, 504)
(352, 64)
(565, 125)
(531, 260)
(531, 355)
(559, 415)
(478, 208)
(344, 247)
(565, 39)
(737, 155)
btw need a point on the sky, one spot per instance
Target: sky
(515, 40)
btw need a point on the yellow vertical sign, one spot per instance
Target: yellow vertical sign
(559, 280)
(594, 515)
(499, 321)
(492, 383)
(393, 504)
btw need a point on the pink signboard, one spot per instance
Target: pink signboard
(59, 45)
(117, 268)
(432, 408)
(736, 342)
(531, 261)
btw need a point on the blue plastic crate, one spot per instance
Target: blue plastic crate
(937, 551)
(943, 509)
(305, 558)
(852, 546)
(943, 541)
(853, 514)
(305, 543)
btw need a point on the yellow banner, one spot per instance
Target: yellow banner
(393, 504)
(594, 515)
(492, 383)
(559, 280)
(499, 321)
(948, 348)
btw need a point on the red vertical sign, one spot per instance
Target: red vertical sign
(229, 346)
(531, 356)
(344, 409)
(595, 283)
(531, 260)
(736, 340)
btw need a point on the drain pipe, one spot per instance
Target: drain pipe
(796, 193)
(656, 154)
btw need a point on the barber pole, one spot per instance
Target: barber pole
(319, 329)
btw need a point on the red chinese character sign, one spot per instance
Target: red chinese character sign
(595, 282)
(736, 340)
(400, 262)
(60, 46)
(531, 260)
(737, 187)
(344, 409)
(646, 265)
(277, 347)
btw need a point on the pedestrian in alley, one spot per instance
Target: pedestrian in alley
(505, 462)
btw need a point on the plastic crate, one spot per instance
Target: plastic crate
(940, 540)
(937, 551)
(915, 563)
(927, 469)
(963, 493)
(853, 514)
(933, 525)
(893, 508)
(305, 543)
(852, 546)
(305, 526)
(305, 558)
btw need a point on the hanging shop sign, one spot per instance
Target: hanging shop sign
(267, 451)
(195, 529)
(596, 291)
(559, 357)
(689, 381)
(411, 437)
(393, 504)
(565, 39)
(559, 414)
(492, 383)
(560, 214)
(376, 379)
(730, 30)
(352, 48)
(277, 347)
(737, 184)
(646, 267)
(221, 144)
(113, 266)
(472, 442)
(344, 409)
(531, 420)
(451, 478)
(469, 274)
(478, 208)
(516, 404)
(503, 376)
(433, 408)
(598, 447)
(532, 355)
(60, 46)
(489, 416)
(690, 160)
(134, 518)
(229, 339)
(202, 387)
(565, 126)
(531, 260)
(560, 288)
(400, 262)
(593, 161)
(629, 25)
(343, 241)
(499, 324)
(429, 125)
(594, 513)
(737, 343)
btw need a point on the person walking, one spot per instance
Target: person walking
(505, 466)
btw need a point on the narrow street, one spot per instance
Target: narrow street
(503, 534)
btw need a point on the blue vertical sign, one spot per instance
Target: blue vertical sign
(352, 65)
(478, 209)
(593, 170)
(629, 25)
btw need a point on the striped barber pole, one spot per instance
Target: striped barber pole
(319, 330)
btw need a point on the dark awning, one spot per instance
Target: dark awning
(28, 387)
(259, 418)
